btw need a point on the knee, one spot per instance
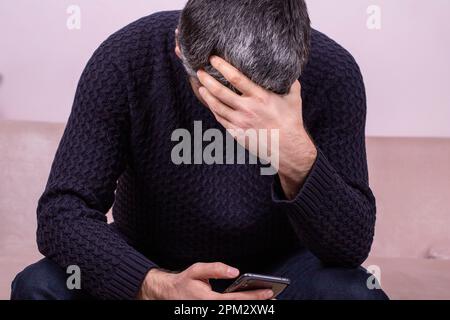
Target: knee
(40, 281)
(346, 284)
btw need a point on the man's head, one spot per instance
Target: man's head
(267, 40)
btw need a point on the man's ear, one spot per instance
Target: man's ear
(177, 46)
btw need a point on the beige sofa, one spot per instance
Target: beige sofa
(410, 177)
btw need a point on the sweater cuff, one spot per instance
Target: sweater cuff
(309, 199)
(129, 273)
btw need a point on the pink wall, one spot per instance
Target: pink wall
(405, 64)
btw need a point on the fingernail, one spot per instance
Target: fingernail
(233, 272)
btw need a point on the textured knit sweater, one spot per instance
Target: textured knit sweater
(116, 152)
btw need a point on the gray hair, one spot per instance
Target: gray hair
(267, 40)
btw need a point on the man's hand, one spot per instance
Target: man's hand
(258, 108)
(193, 284)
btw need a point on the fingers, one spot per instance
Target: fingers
(222, 112)
(225, 123)
(216, 106)
(234, 76)
(215, 270)
(218, 89)
(262, 294)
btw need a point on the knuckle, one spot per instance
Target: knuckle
(260, 99)
(217, 265)
(222, 112)
(220, 109)
(218, 90)
(214, 107)
(196, 267)
(261, 94)
(235, 79)
(191, 270)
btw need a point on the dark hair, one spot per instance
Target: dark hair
(267, 40)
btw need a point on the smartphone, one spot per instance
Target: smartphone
(251, 281)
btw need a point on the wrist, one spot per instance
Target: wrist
(298, 160)
(295, 165)
(153, 287)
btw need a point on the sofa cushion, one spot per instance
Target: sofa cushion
(439, 250)
(410, 278)
(410, 178)
(27, 150)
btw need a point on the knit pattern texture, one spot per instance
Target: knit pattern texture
(116, 152)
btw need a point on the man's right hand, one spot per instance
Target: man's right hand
(193, 284)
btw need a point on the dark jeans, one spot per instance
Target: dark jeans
(45, 280)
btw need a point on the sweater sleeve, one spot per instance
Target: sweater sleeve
(72, 224)
(334, 212)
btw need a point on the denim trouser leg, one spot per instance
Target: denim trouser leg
(310, 279)
(44, 280)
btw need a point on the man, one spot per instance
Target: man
(186, 230)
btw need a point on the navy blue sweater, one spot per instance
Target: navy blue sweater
(116, 152)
